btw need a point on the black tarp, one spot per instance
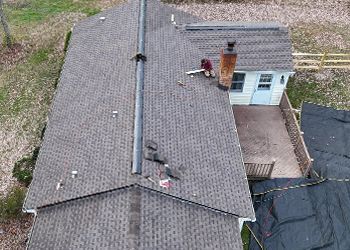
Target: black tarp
(316, 216)
(327, 136)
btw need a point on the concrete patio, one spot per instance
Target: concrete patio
(264, 139)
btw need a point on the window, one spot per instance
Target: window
(238, 82)
(265, 82)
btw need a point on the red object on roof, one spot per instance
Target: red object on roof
(206, 64)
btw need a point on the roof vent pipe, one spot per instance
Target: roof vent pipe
(173, 19)
(137, 148)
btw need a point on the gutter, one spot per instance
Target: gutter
(138, 124)
(242, 220)
(31, 230)
(29, 211)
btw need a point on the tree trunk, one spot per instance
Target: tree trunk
(5, 25)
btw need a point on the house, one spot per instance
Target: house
(264, 62)
(137, 154)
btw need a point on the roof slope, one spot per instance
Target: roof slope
(83, 135)
(193, 125)
(260, 46)
(102, 222)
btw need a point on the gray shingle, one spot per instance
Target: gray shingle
(260, 46)
(97, 222)
(98, 78)
(82, 135)
(169, 224)
(104, 222)
(192, 125)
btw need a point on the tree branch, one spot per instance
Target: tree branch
(5, 25)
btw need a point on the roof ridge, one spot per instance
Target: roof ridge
(137, 185)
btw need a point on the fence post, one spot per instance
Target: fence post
(322, 61)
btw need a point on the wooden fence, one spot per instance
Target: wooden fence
(321, 61)
(258, 171)
(292, 125)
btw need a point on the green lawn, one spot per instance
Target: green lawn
(245, 234)
(326, 87)
(40, 27)
(333, 91)
(24, 11)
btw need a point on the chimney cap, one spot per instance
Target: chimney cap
(231, 44)
(230, 49)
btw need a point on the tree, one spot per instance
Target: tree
(5, 25)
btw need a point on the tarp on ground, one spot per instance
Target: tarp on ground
(327, 136)
(310, 213)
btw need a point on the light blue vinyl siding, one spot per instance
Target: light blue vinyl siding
(250, 84)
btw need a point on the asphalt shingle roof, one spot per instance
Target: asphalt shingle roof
(193, 126)
(99, 77)
(162, 223)
(260, 46)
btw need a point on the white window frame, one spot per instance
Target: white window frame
(235, 82)
(265, 81)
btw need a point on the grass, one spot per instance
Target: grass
(3, 96)
(245, 235)
(23, 169)
(39, 57)
(11, 205)
(333, 91)
(327, 87)
(29, 84)
(316, 38)
(38, 10)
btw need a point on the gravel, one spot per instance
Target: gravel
(287, 12)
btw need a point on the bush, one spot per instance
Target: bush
(11, 205)
(67, 40)
(23, 169)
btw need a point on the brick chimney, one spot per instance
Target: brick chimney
(228, 58)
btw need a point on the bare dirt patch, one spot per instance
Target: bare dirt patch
(10, 56)
(286, 12)
(105, 4)
(14, 233)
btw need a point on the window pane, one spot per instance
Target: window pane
(266, 78)
(237, 86)
(238, 82)
(264, 86)
(238, 77)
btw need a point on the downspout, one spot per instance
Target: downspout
(137, 149)
(29, 211)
